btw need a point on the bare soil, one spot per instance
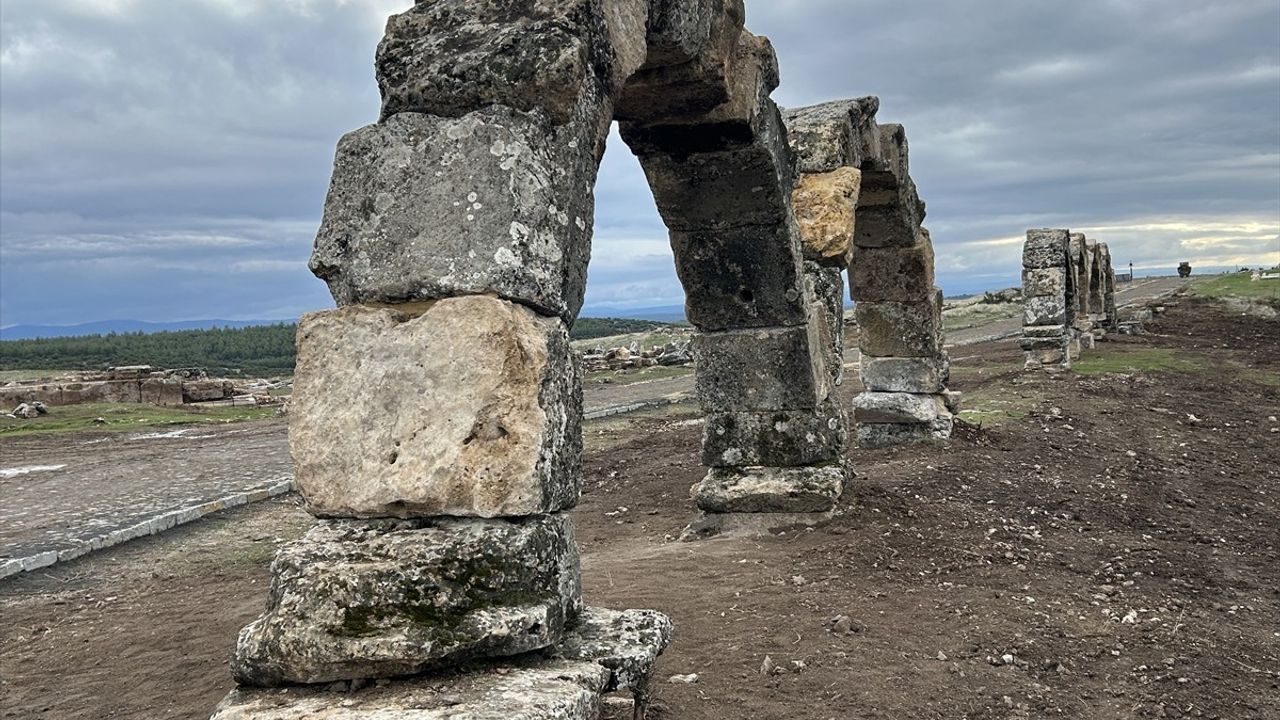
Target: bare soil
(1102, 546)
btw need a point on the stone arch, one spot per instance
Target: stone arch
(859, 209)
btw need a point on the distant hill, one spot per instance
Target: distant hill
(106, 327)
(662, 314)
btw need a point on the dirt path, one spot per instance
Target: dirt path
(1103, 547)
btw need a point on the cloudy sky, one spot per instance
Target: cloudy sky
(167, 159)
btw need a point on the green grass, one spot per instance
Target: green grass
(122, 417)
(1137, 359)
(630, 377)
(1237, 285)
(993, 406)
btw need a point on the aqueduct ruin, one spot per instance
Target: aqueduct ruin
(436, 421)
(1069, 296)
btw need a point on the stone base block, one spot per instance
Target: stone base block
(904, 375)
(785, 438)
(710, 525)
(898, 407)
(608, 651)
(469, 407)
(882, 435)
(356, 600)
(760, 370)
(770, 489)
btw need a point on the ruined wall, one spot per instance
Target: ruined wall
(858, 208)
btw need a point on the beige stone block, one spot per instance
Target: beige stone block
(824, 205)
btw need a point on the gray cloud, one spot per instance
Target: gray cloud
(166, 160)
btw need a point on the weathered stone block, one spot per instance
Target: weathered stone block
(883, 435)
(1044, 331)
(1044, 311)
(833, 135)
(627, 642)
(783, 438)
(736, 277)
(692, 57)
(824, 206)
(470, 407)
(1051, 355)
(826, 287)
(759, 370)
(898, 408)
(203, 390)
(449, 57)
(770, 489)
(907, 375)
(897, 329)
(385, 598)
(896, 274)
(161, 391)
(423, 207)
(1044, 282)
(1045, 249)
(1044, 343)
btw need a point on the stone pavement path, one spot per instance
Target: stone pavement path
(58, 492)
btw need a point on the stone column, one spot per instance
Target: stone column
(1048, 299)
(1111, 319)
(435, 423)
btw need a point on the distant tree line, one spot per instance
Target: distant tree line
(258, 350)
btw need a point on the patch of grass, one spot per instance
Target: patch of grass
(993, 407)
(630, 377)
(122, 417)
(1237, 285)
(1128, 359)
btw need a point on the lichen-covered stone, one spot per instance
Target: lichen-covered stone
(468, 408)
(908, 375)
(770, 489)
(898, 408)
(1044, 311)
(832, 135)
(893, 274)
(627, 642)
(1044, 282)
(1045, 248)
(883, 435)
(385, 598)
(760, 370)
(496, 201)
(780, 439)
(548, 690)
(900, 329)
(824, 205)
(449, 57)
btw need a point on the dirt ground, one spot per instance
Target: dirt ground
(1103, 545)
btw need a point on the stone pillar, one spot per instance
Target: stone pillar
(716, 157)
(436, 418)
(890, 260)
(1112, 318)
(1048, 283)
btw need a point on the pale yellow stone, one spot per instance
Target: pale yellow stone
(824, 205)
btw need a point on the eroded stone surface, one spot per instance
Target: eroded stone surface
(759, 370)
(832, 135)
(898, 408)
(1044, 311)
(824, 205)
(627, 642)
(770, 489)
(1044, 282)
(909, 375)
(882, 435)
(900, 329)
(780, 439)
(1045, 249)
(826, 287)
(496, 201)
(470, 408)
(385, 598)
(893, 274)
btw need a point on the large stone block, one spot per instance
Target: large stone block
(824, 206)
(1044, 311)
(470, 408)
(883, 435)
(423, 207)
(897, 329)
(784, 438)
(449, 57)
(747, 276)
(898, 408)
(759, 370)
(1045, 249)
(904, 374)
(386, 598)
(895, 274)
(770, 489)
(826, 286)
(1044, 282)
(833, 135)
(692, 58)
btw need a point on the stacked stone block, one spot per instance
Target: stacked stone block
(714, 149)
(858, 208)
(435, 427)
(1048, 283)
